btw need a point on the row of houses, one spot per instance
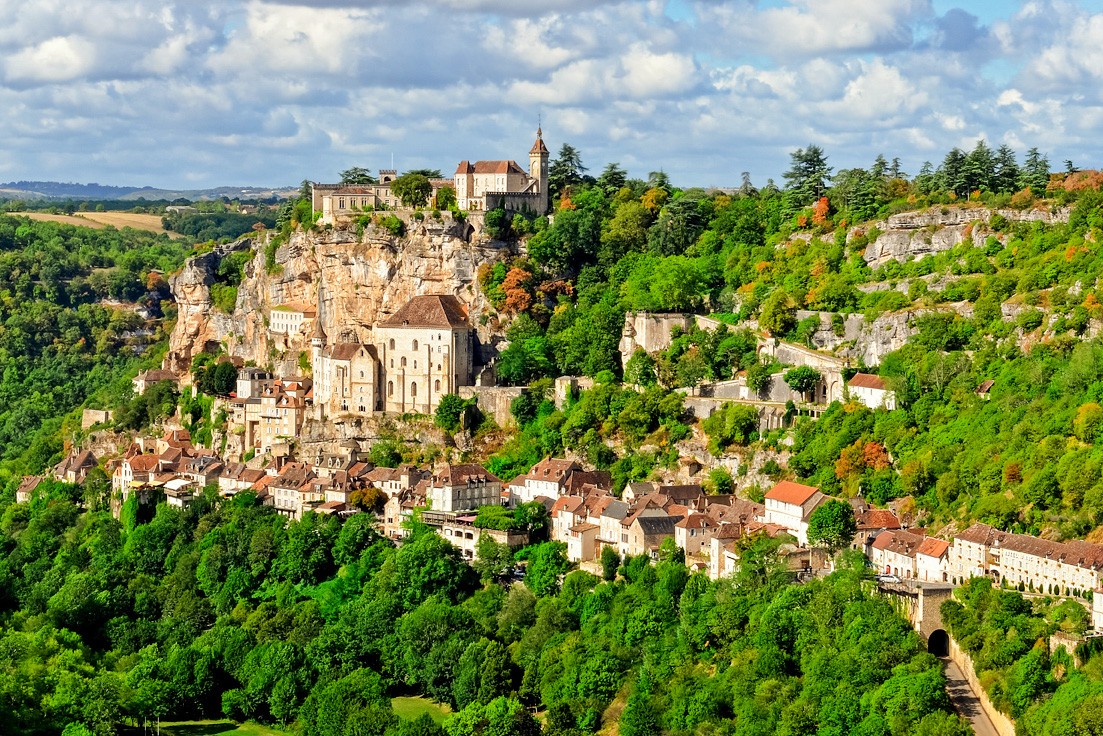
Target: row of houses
(586, 516)
(1016, 560)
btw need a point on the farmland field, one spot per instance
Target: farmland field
(152, 223)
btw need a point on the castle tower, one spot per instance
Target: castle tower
(538, 170)
(317, 337)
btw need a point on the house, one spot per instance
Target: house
(565, 513)
(237, 477)
(74, 468)
(144, 380)
(984, 390)
(486, 185)
(547, 478)
(974, 553)
(291, 491)
(582, 543)
(694, 532)
(790, 505)
(871, 522)
(646, 533)
(25, 492)
(893, 553)
(459, 529)
(463, 488)
(273, 414)
(180, 492)
(930, 560)
(287, 319)
(871, 391)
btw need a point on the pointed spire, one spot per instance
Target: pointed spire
(538, 146)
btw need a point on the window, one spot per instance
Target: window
(413, 390)
(436, 386)
(390, 388)
(415, 364)
(341, 203)
(415, 344)
(403, 361)
(361, 374)
(391, 344)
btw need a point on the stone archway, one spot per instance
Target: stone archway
(938, 643)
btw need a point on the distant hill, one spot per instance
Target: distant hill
(62, 190)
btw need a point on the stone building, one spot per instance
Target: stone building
(422, 352)
(339, 202)
(871, 391)
(487, 185)
(287, 319)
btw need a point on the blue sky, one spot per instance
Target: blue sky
(198, 93)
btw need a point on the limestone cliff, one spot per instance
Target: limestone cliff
(918, 234)
(356, 278)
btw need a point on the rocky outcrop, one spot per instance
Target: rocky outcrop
(357, 278)
(913, 235)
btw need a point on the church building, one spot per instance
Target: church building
(420, 353)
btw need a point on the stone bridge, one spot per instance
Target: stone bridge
(920, 602)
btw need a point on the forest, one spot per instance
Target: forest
(1020, 309)
(228, 608)
(81, 311)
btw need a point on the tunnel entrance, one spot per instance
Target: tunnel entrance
(938, 643)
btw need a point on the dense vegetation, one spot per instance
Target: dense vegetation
(227, 608)
(1016, 309)
(75, 305)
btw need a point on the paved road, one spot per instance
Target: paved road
(966, 703)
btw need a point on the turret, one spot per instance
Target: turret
(538, 169)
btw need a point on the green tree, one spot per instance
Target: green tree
(610, 563)
(357, 175)
(413, 189)
(449, 411)
(779, 313)
(807, 178)
(565, 170)
(803, 379)
(832, 526)
(546, 563)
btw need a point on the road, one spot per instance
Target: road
(966, 703)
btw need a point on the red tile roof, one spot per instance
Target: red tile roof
(933, 547)
(878, 519)
(489, 167)
(792, 493)
(866, 380)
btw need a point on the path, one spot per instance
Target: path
(965, 701)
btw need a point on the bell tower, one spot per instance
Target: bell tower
(538, 170)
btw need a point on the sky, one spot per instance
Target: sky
(270, 92)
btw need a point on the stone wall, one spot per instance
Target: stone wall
(90, 417)
(494, 401)
(1004, 725)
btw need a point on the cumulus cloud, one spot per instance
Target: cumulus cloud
(192, 92)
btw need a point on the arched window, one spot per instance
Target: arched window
(390, 388)
(403, 361)
(436, 385)
(413, 390)
(415, 344)
(415, 365)
(391, 344)
(361, 374)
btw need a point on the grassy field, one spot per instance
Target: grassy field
(210, 728)
(410, 708)
(152, 223)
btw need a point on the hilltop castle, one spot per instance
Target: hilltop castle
(479, 186)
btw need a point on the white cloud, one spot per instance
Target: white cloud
(57, 59)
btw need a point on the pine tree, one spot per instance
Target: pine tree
(1007, 170)
(806, 180)
(1035, 172)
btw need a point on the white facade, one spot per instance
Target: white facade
(288, 319)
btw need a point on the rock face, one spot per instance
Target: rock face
(919, 234)
(356, 279)
(870, 342)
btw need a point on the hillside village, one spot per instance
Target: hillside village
(279, 442)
